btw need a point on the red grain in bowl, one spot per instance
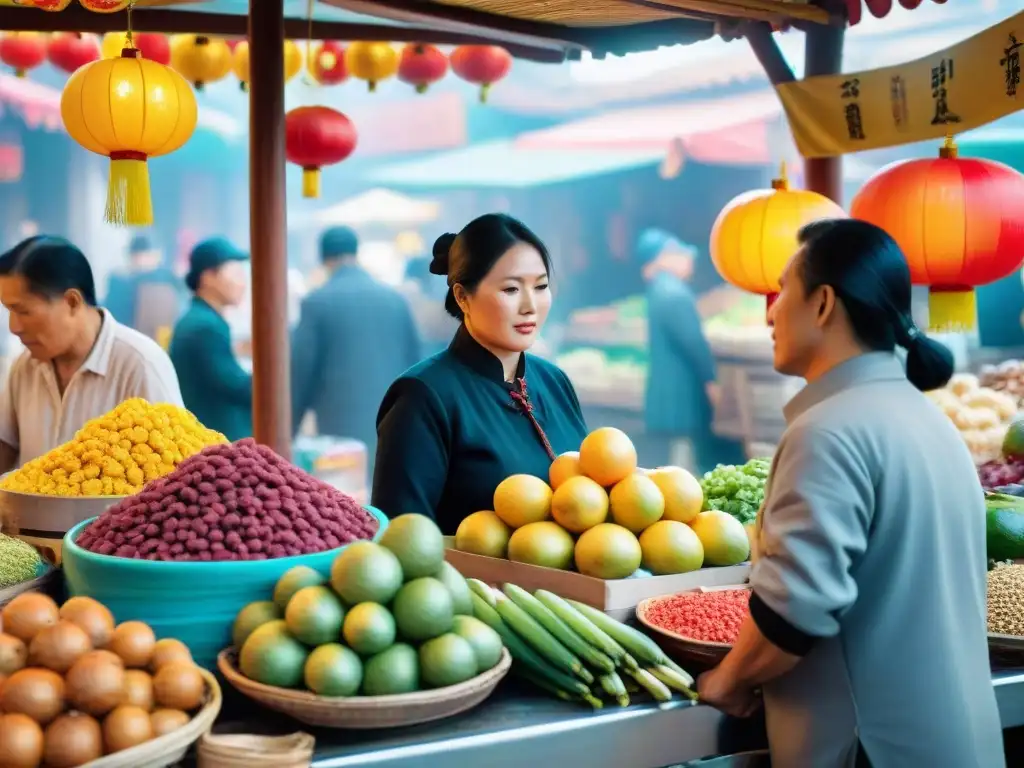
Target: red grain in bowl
(710, 617)
(230, 502)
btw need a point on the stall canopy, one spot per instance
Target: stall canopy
(375, 206)
(501, 164)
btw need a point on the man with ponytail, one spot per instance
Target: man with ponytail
(867, 628)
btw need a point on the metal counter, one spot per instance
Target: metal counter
(517, 728)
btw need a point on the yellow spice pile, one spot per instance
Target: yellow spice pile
(117, 453)
(1006, 600)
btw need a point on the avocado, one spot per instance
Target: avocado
(1004, 526)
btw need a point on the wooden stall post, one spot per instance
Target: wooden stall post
(271, 402)
(823, 55)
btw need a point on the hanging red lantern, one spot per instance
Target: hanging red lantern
(22, 51)
(70, 50)
(105, 6)
(481, 65)
(421, 65)
(327, 64)
(315, 137)
(53, 6)
(958, 221)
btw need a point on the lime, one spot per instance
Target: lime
(487, 645)
(366, 573)
(251, 617)
(292, 581)
(456, 583)
(273, 657)
(314, 615)
(369, 628)
(447, 660)
(395, 670)
(423, 609)
(333, 670)
(417, 543)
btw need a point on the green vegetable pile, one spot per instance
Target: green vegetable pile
(18, 561)
(737, 490)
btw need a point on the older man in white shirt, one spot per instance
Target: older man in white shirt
(78, 363)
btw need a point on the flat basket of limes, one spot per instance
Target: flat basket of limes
(389, 640)
(23, 569)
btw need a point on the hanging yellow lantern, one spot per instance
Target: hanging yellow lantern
(371, 62)
(240, 62)
(200, 59)
(755, 235)
(128, 109)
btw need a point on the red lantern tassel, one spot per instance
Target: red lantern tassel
(311, 182)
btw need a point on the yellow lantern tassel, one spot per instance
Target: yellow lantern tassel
(129, 202)
(782, 182)
(371, 85)
(952, 310)
(311, 182)
(484, 90)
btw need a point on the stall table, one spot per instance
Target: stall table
(518, 727)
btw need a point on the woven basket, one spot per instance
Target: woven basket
(678, 646)
(245, 750)
(48, 583)
(170, 749)
(367, 711)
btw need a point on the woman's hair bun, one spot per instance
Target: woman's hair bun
(442, 248)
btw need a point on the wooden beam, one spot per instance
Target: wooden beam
(767, 51)
(757, 10)
(77, 19)
(823, 55)
(271, 381)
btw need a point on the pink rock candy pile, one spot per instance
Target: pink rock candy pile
(230, 502)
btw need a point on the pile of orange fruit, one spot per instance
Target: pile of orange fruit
(598, 512)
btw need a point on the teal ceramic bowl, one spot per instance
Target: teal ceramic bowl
(193, 602)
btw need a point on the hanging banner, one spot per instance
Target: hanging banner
(962, 87)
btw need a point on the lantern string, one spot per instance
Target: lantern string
(309, 80)
(128, 34)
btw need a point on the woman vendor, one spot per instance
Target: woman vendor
(457, 424)
(867, 611)
(79, 362)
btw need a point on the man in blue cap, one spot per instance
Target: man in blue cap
(355, 337)
(213, 384)
(148, 297)
(681, 389)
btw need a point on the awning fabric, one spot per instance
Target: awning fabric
(878, 8)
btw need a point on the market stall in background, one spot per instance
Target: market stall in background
(205, 578)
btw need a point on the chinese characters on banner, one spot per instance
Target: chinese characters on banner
(954, 90)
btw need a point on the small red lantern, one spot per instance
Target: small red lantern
(105, 6)
(153, 46)
(327, 64)
(70, 50)
(421, 65)
(22, 51)
(482, 65)
(315, 137)
(958, 221)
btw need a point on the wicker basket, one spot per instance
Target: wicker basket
(367, 711)
(170, 749)
(679, 647)
(246, 750)
(48, 583)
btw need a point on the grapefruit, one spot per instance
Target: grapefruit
(292, 581)
(396, 670)
(564, 467)
(608, 551)
(522, 499)
(418, 544)
(579, 504)
(333, 670)
(314, 615)
(447, 660)
(607, 456)
(423, 609)
(250, 618)
(273, 657)
(724, 538)
(669, 546)
(483, 533)
(487, 644)
(545, 543)
(366, 573)
(449, 576)
(369, 628)
(636, 502)
(683, 495)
